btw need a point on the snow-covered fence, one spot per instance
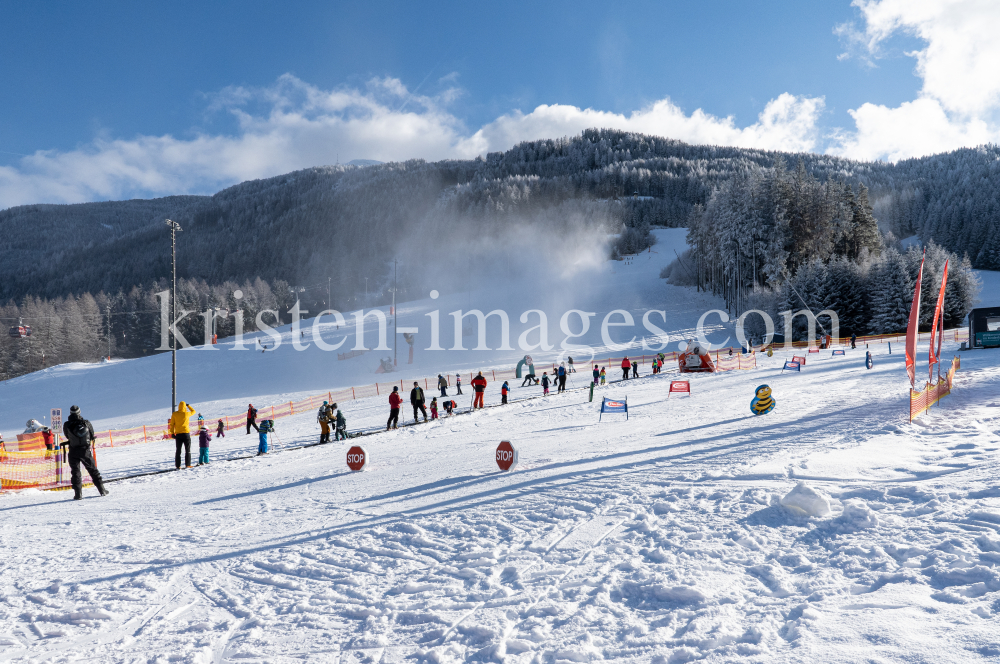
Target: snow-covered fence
(933, 392)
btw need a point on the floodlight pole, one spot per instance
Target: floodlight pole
(174, 229)
(395, 315)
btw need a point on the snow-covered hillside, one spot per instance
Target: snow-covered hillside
(830, 529)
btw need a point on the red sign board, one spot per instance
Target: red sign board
(506, 455)
(814, 350)
(798, 358)
(679, 386)
(357, 458)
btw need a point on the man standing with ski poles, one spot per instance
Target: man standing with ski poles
(80, 434)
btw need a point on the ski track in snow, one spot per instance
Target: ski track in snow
(659, 538)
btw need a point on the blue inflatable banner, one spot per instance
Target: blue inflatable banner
(613, 406)
(792, 366)
(839, 352)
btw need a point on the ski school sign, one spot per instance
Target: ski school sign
(613, 406)
(506, 455)
(682, 386)
(838, 352)
(357, 458)
(791, 366)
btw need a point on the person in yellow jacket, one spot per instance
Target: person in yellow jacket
(180, 429)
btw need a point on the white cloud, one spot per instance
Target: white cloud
(959, 100)
(294, 125)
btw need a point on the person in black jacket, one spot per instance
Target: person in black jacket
(417, 401)
(80, 434)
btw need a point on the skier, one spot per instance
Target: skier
(49, 439)
(504, 389)
(626, 365)
(572, 369)
(443, 385)
(180, 429)
(80, 434)
(479, 387)
(529, 379)
(545, 383)
(635, 370)
(458, 383)
(341, 422)
(449, 406)
(266, 426)
(395, 401)
(251, 418)
(597, 374)
(323, 417)
(417, 401)
(203, 439)
(561, 377)
(434, 408)
(220, 432)
(854, 339)
(604, 375)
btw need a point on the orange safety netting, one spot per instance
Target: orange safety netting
(933, 392)
(42, 469)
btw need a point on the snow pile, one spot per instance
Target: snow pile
(805, 500)
(857, 516)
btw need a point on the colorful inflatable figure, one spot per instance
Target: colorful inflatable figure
(763, 402)
(868, 360)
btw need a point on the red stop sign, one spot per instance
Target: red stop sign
(357, 458)
(506, 455)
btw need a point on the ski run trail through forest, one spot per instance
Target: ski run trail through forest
(830, 529)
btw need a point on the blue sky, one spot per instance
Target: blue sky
(111, 99)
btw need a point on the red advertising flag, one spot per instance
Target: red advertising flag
(912, 329)
(934, 352)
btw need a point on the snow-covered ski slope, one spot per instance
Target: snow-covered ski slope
(222, 380)
(660, 538)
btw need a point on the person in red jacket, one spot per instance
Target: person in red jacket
(479, 386)
(395, 401)
(626, 365)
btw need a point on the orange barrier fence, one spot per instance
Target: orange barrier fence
(933, 392)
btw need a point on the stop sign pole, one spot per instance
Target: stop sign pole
(357, 458)
(506, 455)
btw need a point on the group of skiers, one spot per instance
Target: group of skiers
(330, 417)
(418, 399)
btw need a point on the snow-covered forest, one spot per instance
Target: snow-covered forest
(775, 240)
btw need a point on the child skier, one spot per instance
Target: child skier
(341, 423)
(434, 408)
(220, 432)
(597, 374)
(203, 438)
(504, 389)
(265, 427)
(545, 383)
(458, 383)
(449, 406)
(604, 375)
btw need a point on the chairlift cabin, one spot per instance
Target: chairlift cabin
(20, 331)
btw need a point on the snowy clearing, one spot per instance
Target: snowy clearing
(830, 529)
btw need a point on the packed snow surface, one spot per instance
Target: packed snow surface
(831, 529)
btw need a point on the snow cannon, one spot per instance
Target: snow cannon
(695, 360)
(763, 402)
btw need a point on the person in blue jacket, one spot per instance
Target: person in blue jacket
(266, 427)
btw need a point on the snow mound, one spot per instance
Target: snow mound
(857, 516)
(804, 499)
